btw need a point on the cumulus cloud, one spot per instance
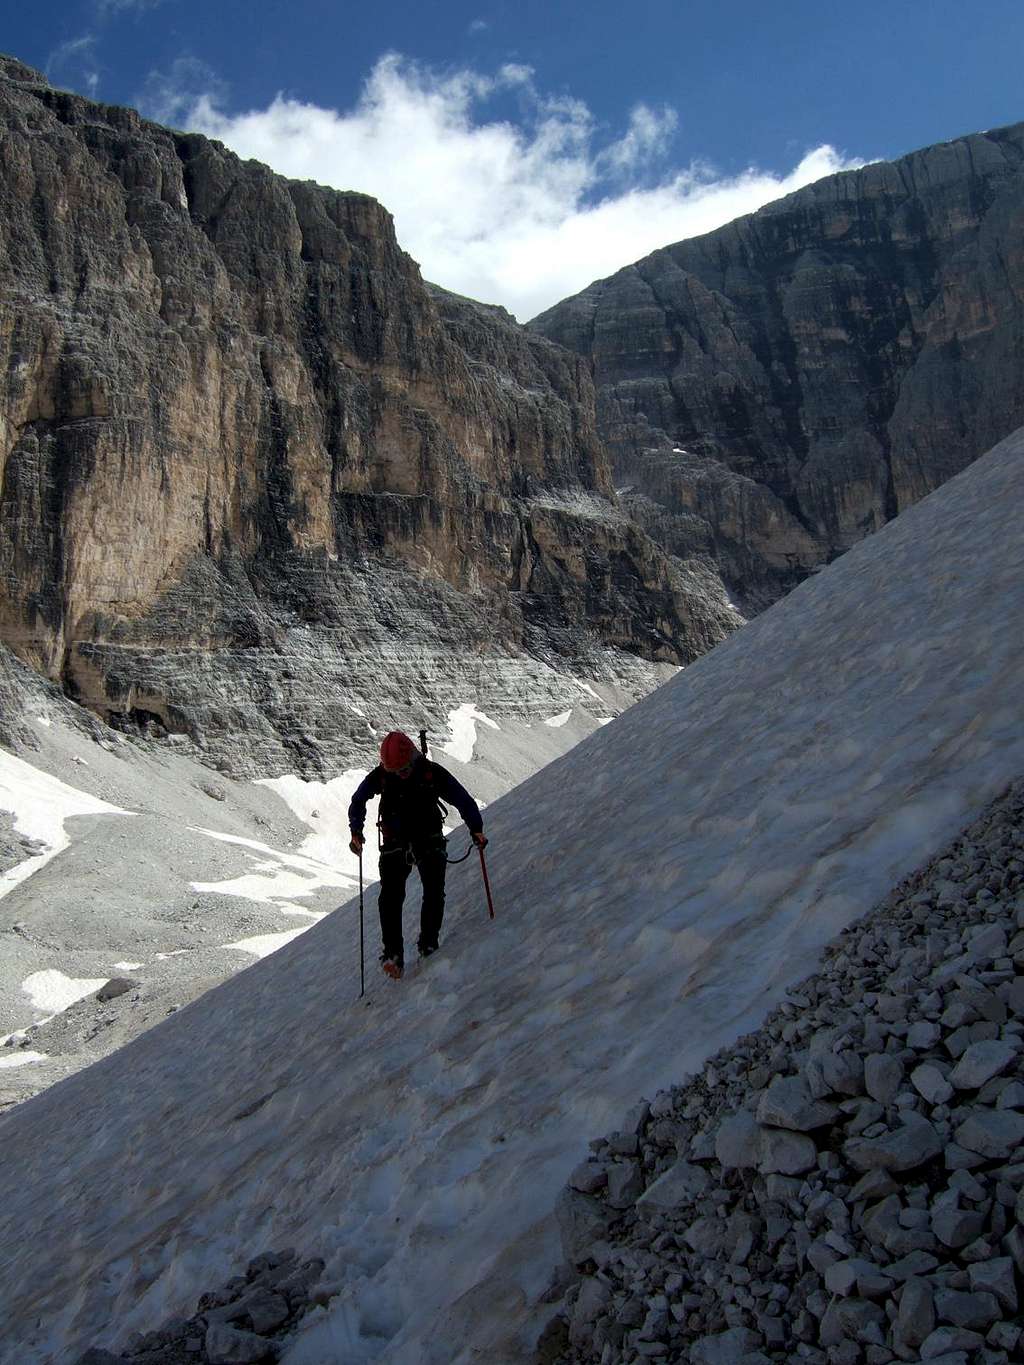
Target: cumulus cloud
(517, 211)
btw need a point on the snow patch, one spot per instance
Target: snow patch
(40, 804)
(462, 723)
(327, 843)
(51, 991)
(556, 722)
(587, 688)
(23, 1058)
(277, 876)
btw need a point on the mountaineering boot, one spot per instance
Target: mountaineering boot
(426, 949)
(392, 965)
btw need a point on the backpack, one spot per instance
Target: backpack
(410, 808)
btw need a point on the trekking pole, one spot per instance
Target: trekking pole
(487, 884)
(362, 955)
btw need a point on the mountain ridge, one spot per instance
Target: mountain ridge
(778, 388)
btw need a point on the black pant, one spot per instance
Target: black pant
(396, 862)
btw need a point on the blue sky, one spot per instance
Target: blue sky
(526, 148)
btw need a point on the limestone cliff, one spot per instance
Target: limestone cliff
(777, 389)
(253, 469)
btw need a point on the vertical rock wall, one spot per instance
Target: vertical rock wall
(232, 413)
(777, 389)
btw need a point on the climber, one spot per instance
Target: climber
(410, 788)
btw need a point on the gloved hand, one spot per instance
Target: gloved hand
(480, 839)
(356, 843)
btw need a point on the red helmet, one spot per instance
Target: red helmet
(397, 751)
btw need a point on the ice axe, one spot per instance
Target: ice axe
(487, 884)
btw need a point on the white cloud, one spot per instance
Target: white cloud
(521, 213)
(74, 64)
(646, 140)
(173, 96)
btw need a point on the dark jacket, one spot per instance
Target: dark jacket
(409, 809)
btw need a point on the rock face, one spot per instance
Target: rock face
(251, 466)
(779, 388)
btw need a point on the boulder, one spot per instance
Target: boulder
(226, 1345)
(992, 1133)
(915, 1319)
(883, 1076)
(680, 1184)
(738, 1141)
(117, 985)
(582, 1220)
(981, 1061)
(788, 1103)
(786, 1153)
(913, 1143)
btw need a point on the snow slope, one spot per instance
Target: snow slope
(656, 889)
(135, 859)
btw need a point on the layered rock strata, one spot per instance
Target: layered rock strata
(845, 1186)
(245, 454)
(779, 388)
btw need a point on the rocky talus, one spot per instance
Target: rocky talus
(846, 1185)
(779, 388)
(253, 471)
(243, 1322)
